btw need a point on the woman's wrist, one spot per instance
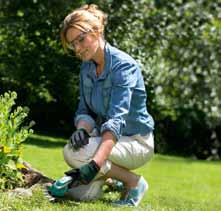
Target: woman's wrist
(84, 125)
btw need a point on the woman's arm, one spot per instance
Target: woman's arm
(123, 80)
(108, 142)
(84, 124)
(83, 118)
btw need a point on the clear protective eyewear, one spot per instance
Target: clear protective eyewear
(78, 40)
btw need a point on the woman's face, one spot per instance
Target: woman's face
(85, 44)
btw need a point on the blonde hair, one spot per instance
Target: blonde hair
(85, 18)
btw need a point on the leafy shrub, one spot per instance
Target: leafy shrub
(185, 65)
(12, 134)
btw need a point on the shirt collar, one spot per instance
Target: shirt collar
(107, 66)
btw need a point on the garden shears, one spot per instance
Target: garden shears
(57, 190)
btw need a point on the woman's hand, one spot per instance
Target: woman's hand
(79, 138)
(85, 174)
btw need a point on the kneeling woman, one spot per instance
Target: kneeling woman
(114, 128)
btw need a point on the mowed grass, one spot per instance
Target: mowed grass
(175, 183)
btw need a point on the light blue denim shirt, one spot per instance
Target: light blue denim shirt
(116, 100)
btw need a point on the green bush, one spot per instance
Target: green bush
(12, 134)
(33, 63)
(185, 65)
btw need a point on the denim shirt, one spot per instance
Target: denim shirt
(116, 99)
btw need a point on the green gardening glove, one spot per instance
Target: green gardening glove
(86, 173)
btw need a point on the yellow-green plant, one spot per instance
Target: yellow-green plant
(12, 134)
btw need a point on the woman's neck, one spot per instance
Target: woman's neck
(99, 57)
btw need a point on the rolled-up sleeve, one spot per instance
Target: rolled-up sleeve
(86, 118)
(124, 79)
(83, 112)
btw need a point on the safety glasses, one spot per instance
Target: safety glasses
(78, 40)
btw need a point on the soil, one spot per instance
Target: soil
(33, 176)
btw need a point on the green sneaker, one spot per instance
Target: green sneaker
(134, 195)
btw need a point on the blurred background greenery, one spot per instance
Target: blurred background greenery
(178, 44)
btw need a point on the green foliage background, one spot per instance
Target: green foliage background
(178, 43)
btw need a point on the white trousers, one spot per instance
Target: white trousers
(130, 152)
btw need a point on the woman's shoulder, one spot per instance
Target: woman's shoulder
(120, 57)
(124, 69)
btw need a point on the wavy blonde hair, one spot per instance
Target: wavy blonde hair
(86, 18)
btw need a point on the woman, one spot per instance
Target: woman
(113, 103)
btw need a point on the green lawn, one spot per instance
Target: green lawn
(175, 183)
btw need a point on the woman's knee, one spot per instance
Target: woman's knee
(72, 157)
(132, 152)
(76, 158)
